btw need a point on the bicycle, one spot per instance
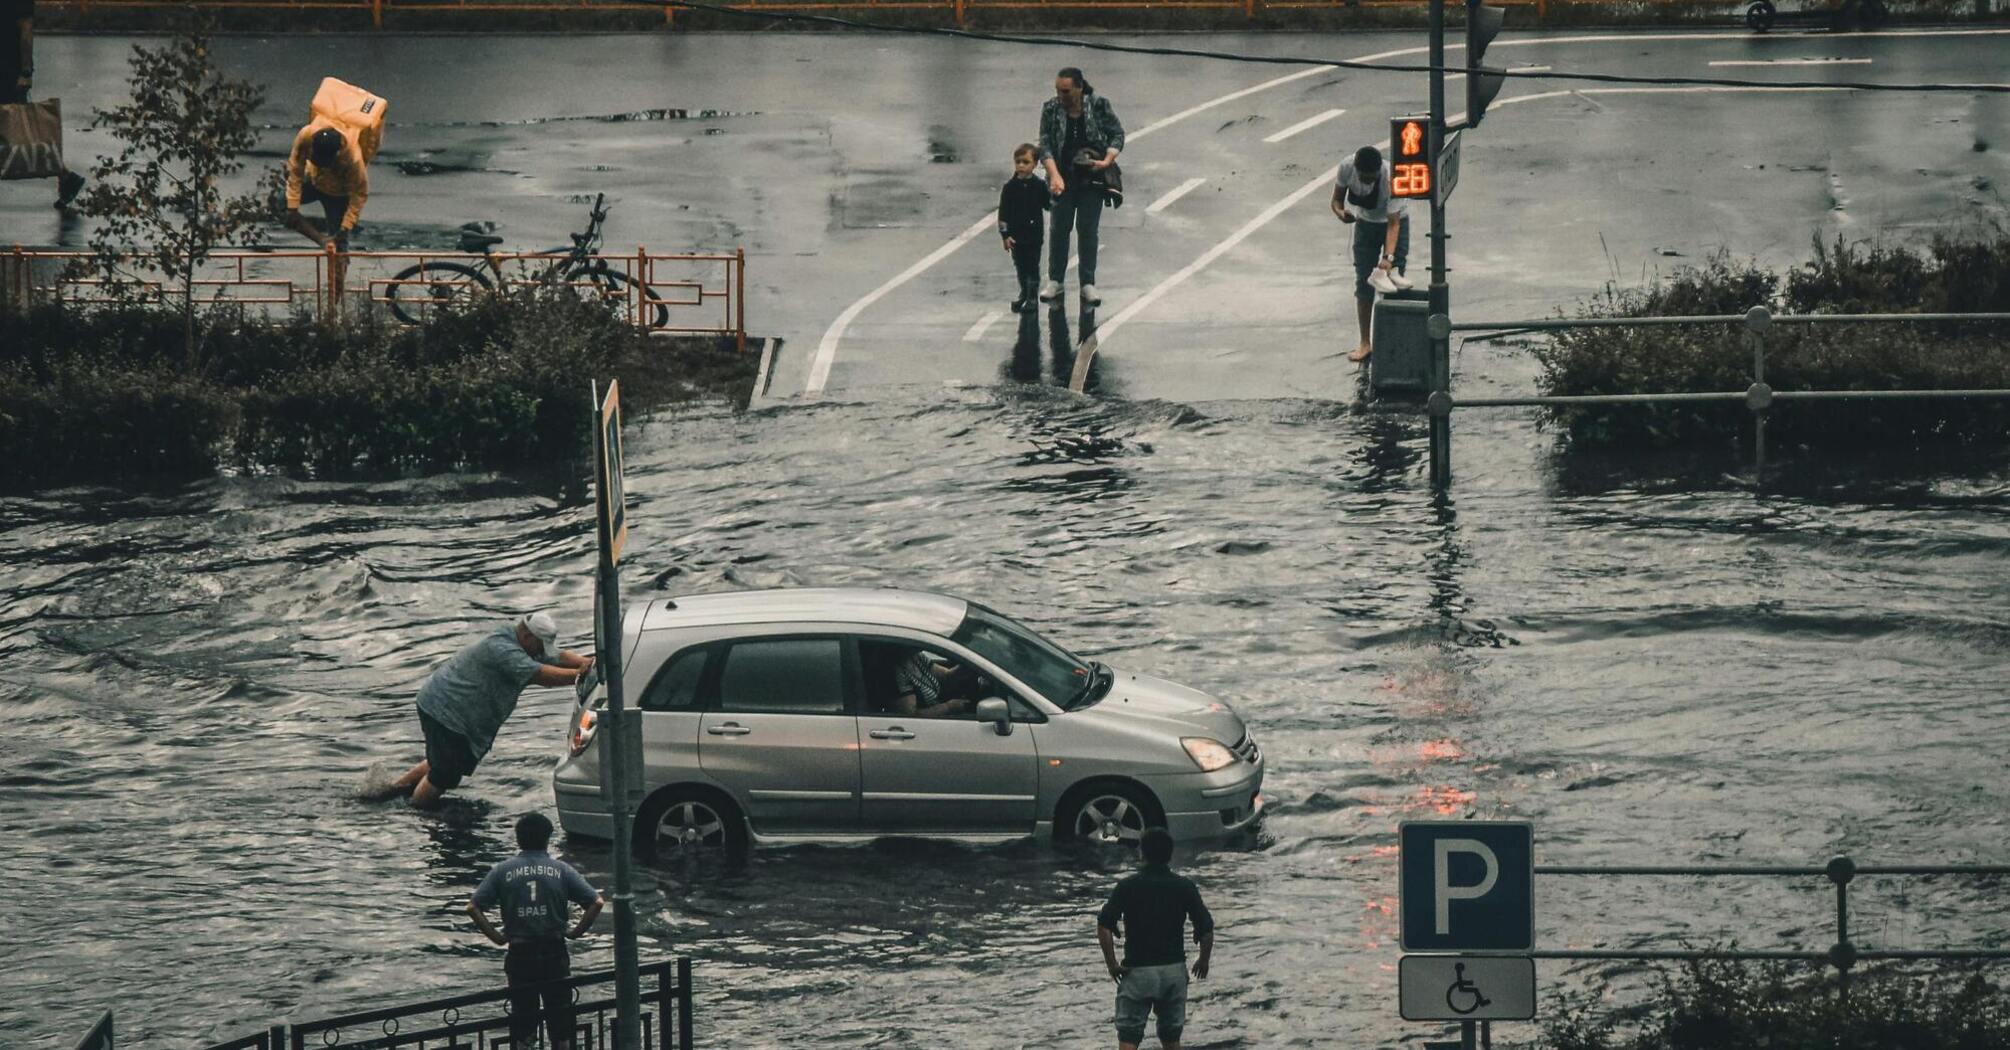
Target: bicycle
(437, 281)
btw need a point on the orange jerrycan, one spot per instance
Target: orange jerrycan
(357, 112)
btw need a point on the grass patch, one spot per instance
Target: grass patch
(1719, 1005)
(89, 396)
(1948, 276)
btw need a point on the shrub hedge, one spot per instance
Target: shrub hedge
(1718, 1005)
(104, 394)
(1950, 276)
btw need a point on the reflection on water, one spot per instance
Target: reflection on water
(1648, 664)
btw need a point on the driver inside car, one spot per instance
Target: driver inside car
(926, 688)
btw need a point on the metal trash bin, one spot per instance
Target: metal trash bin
(1400, 367)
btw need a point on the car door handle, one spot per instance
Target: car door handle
(896, 733)
(729, 729)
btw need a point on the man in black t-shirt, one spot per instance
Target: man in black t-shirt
(17, 74)
(533, 890)
(1154, 906)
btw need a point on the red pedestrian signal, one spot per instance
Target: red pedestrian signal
(1410, 174)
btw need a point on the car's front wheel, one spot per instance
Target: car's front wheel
(680, 824)
(1110, 813)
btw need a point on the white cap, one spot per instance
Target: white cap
(544, 627)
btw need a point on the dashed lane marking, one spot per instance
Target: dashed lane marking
(977, 330)
(1104, 331)
(1305, 125)
(1173, 194)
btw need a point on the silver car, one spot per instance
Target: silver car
(775, 715)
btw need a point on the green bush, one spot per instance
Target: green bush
(1719, 1005)
(99, 394)
(1949, 277)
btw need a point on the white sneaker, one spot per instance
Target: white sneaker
(1378, 279)
(1050, 291)
(1401, 280)
(1089, 296)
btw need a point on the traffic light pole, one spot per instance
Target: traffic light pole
(1440, 302)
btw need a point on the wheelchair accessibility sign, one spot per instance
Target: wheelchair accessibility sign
(1467, 987)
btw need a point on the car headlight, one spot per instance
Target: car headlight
(1209, 755)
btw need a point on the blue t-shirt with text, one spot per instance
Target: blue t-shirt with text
(533, 889)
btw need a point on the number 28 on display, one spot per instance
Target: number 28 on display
(1410, 168)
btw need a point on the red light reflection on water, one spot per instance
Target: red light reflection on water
(1445, 799)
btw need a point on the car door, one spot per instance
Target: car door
(778, 732)
(951, 775)
(672, 708)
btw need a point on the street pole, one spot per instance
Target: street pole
(1440, 303)
(615, 726)
(627, 961)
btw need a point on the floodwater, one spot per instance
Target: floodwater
(1654, 665)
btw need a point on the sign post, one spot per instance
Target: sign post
(617, 773)
(1447, 168)
(1466, 887)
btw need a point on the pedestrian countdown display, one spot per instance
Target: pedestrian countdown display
(1411, 174)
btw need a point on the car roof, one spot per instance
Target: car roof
(877, 606)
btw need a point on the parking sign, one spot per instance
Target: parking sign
(1467, 885)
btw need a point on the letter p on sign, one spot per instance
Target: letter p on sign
(1467, 885)
(1444, 892)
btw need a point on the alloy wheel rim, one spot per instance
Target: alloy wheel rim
(1110, 818)
(689, 827)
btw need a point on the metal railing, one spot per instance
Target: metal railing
(958, 11)
(671, 294)
(1842, 955)
(481, 1020)
(1758, 397)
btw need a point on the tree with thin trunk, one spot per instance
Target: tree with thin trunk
(161, 206)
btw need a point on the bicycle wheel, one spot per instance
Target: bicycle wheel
(613, 285)
(432, 284)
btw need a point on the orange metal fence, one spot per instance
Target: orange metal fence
(667, 294)
(955, 10)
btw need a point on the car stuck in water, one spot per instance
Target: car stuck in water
(789, 714)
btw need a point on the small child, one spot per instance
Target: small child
(1022, 207)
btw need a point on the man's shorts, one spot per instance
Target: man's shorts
(448, 753)
(1369, 239)
(1148, 989)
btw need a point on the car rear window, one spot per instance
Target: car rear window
(789, 676)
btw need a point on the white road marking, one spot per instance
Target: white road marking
(1173, 194)
(820, 367)
(1308, 122)
(977, 330)
(1794, 62)
(1324, 179)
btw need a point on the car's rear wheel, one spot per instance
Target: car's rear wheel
(1111, 813)
(683, 824)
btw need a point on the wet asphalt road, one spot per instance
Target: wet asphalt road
(1236, 289)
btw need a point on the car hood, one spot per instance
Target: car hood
(1142, 699)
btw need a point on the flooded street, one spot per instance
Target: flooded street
(1653, 667)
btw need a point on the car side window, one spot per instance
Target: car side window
(783, 676)
(675, 687)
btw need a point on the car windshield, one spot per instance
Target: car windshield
(1044, 667)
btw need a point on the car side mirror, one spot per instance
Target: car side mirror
(998, 712)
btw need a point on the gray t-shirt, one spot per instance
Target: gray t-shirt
(1369, 205)
(474, 693)
(533, 890)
